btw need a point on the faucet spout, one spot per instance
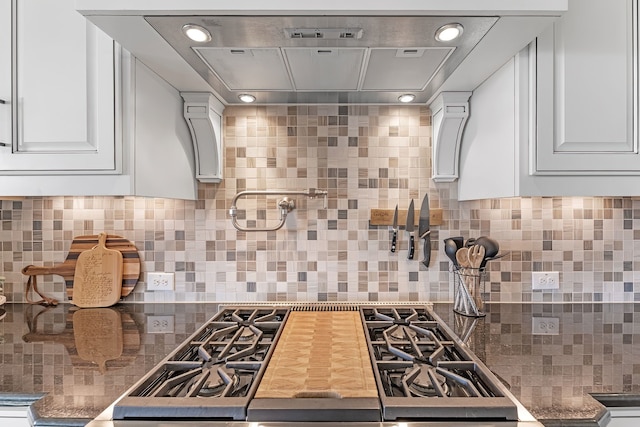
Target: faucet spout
(285, 205)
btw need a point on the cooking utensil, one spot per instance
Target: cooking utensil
(79, 244)
(394, 237)
(476, 256)
(467, 276)
(410, 228)
(462, 256)
(450, 249)
(423, 230)
(98, 276)
(491, 248)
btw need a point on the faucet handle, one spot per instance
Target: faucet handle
(312, 193)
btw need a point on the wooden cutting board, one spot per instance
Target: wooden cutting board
(130, 265)
(320, 354)
(98, 276)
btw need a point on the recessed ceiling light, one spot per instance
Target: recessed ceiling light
(196, 33)
(407, 97)
(449, 32)
(245, 97)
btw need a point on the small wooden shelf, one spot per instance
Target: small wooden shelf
(385, 217)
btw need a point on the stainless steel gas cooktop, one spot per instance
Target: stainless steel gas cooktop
(424, 375)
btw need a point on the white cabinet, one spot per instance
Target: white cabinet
(14, 416)
(624, 416)
(5, 73)
(560, 118)
(83, 117)
(587, 100)
(63, 97)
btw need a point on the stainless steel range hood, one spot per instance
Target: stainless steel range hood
(291, 51)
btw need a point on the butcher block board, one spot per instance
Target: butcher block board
(320, 354)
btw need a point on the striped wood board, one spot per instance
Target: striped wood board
(320, 354)
(130, 264)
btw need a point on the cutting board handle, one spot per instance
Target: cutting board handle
(32, 270)
(102, 241)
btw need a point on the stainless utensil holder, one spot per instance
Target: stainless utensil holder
(468, 290)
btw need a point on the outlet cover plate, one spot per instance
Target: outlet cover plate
(545, 280)
(160, 325)
(545, 326)
(160, 281)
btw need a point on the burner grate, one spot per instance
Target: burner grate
(214, 373)
(424, 372)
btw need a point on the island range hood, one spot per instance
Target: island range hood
(312, 52)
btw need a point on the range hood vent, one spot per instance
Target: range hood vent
(311, 59)
(313, 52)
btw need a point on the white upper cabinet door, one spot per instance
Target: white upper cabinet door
(587, 101)
(63, 97)
(5, 73)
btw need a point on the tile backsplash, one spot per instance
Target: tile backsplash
(365, 157)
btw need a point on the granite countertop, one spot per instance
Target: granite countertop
(596, 349)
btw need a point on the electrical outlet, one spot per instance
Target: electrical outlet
(545, 280)
(545, 326)
(160, 324)
(160, 281)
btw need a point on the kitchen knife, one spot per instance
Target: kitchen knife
(409, 228)
(423, 230)
(394, 238)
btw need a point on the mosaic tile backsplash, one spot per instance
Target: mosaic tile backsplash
(365, 157)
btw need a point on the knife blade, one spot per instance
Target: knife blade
(394, 238)
(423, 230)
(409, 228)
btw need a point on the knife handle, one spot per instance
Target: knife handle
(427, 250)
(411, 247)
(394, 239)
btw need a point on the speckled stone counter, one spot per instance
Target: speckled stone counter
(596, 350)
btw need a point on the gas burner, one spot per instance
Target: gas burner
(402, 333)
(422, 384)
(220, 382)
(246, 334)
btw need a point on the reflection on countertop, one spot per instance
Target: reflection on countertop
(575, 350)
(83, 359)
(95, 338)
